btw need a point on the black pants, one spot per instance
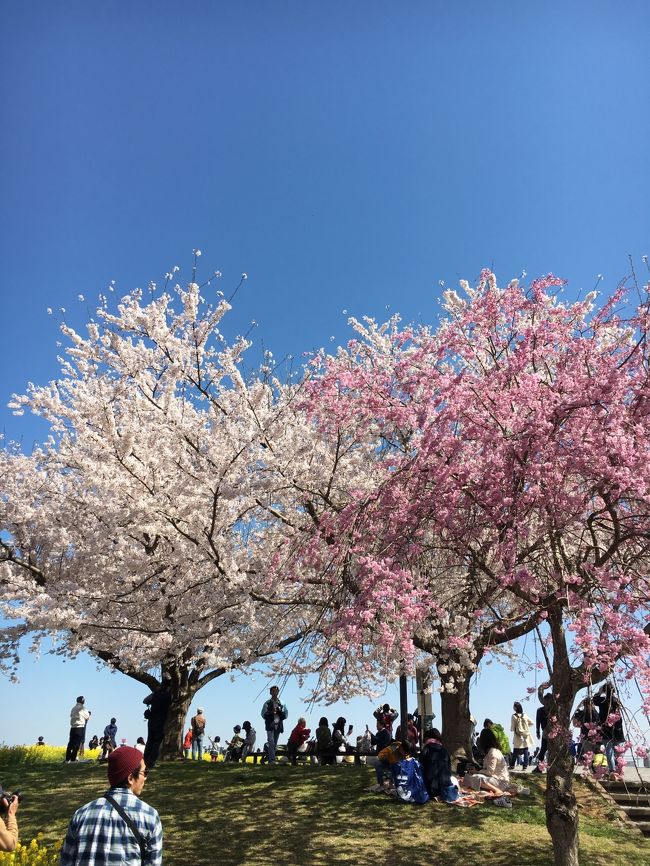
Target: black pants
(542, 750)
(152, 749)
(525, 755)
(75, 741)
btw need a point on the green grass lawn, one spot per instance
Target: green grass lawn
(233, 814)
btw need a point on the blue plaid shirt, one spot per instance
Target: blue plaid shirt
(99, 836)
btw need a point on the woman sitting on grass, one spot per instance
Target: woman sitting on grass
(493, 776)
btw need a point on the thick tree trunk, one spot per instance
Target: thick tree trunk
(456, 725)
(183, 684)
(172, 746)
(561, 805)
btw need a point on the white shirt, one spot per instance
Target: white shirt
(78, 716)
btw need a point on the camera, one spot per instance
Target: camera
(15, 795)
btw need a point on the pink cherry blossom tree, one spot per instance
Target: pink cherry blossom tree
(517, 434)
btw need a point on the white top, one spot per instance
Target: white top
(521, 741)
(495, 766)
(78, 716)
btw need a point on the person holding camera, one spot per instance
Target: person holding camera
(274, 712)
(8, 825)
(79, 716)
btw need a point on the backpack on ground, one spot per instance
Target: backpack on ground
(408, 781)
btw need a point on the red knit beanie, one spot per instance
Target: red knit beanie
(122, 762)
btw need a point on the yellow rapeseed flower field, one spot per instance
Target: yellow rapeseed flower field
(31, 855)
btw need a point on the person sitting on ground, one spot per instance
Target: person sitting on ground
(324, 743)
(412, 734)
(500, 734)
(382, 738)
(249, 742)
(436, 764)
(140, 745)
(8, 825)
(297, 739)
(40, 741)
(493, 776)
(407, 778)
(388, 715)
(388, 756)
(235, 746)
(93, 742)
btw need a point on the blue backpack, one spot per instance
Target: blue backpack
(409, 784)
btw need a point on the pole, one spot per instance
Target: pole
(403, 708)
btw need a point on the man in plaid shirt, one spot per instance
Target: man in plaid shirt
(99, 836)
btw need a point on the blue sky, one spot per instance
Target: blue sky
(346, 155)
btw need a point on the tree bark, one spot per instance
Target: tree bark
(172, 746)
(561, 806)
(456, 724)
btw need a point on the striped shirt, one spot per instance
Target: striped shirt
(99, 836)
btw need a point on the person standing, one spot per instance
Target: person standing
(197, 724)
(108, 740)
(79, 716)
(388, 715)
(274, 712)
(158, 703)
(117, 827)
(541, 724)
(611, 722)
(522, 739)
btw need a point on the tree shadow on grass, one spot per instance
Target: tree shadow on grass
(246, 815)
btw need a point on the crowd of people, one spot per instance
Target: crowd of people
(597, 717)
(411, 763)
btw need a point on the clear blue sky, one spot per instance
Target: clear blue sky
(347, 156)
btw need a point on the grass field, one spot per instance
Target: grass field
(227, 815)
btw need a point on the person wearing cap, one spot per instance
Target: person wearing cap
(79, 716)
(8, 826)
(198, 730)
(98, 835)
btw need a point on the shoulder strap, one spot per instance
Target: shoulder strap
(138, 835)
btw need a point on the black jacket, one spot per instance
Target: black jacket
(436, 768)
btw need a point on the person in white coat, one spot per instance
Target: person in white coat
(521, 726)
